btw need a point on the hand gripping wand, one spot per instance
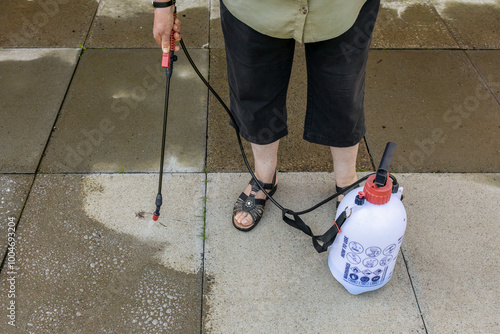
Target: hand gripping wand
(166, 62)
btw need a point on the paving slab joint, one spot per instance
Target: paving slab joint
(414, 291)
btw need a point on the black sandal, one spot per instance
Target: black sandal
(252, 205)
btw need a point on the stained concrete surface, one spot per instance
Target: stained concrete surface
(112, 118)
(474, 24)
(45, 23)
(129, 23)
(452, 249)
(13, 192)
(216, 36)
(271, 280)
(410, 24)
(489, 67)
(33, 83)
(433, 104)
(90, 259)
(295, 154)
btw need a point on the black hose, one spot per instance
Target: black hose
(344, 190)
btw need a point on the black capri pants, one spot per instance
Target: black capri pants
(259, 68)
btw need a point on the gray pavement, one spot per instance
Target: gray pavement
(81, 105)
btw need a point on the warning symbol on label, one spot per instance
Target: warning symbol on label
(367, 272)
(355, 270)
(369, 262)
(354, 277)
(377, 272)
(353, 258)
(364, 279)
(356, 247)
(385, 261)
(375, 279)
(389, 249)
(373, 251)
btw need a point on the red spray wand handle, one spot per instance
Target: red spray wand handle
(168, 57)
(166, 62)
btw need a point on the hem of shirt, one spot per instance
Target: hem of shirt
(275, 34)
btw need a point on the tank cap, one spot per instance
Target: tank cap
(375, 194)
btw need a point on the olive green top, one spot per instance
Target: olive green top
(304, 20)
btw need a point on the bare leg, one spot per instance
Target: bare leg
(344, 165)
(266, 158)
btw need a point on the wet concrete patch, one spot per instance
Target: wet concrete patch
(452, 249)
(13, 192)
(129, 24)
(489, 67)
(87, 263)
(113, 115)
(295, 154)
(435, 106)
(33, 82)
(271, 280)
(475, 24)
(410, 24)
(45, 23)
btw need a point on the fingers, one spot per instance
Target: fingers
(163, 26)
(158, 39)
(164, 42)
(177, 37)
(177, 25)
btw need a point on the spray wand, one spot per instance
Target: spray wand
(167, 62)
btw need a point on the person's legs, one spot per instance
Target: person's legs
(344, 165)
(266, 158)
(336, 82)
(259, 69)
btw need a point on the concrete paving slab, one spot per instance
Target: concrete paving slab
(90, 259)
(216, 36)
(33, 83)
(474, 24)
(14, 189)
(433, 104)
(488, 66)
(113, 115)
(271, 280)
(45, 23)
(129, 23)
(410, 24)
(295, 154)
(452, 251)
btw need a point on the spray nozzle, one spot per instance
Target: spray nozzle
(159, 201)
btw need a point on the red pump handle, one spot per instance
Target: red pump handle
(166, 60)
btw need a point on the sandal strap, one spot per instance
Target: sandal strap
(266, 186)
(255, 210)
(257, 201)
(250, 204)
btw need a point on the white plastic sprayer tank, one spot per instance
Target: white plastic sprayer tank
(363, 256)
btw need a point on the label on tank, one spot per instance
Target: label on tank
(368, 265)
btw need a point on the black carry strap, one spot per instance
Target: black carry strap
(320, 242)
